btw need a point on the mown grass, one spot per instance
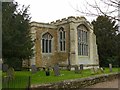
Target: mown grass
(40, 78)
(21, 77)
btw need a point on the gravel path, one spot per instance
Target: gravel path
(108, 84)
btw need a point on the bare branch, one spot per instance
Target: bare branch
(110, 3)
(112, 8)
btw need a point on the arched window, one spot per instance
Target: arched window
(47, 43)
(82, 40)
(62, 42)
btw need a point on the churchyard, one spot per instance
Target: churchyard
(23, 79)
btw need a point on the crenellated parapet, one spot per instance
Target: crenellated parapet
(68, 20)
(62, 21)
(54, 24)
(80, 20)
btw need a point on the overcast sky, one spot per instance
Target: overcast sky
(51, 10)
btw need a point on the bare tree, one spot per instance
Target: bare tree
(110, 8)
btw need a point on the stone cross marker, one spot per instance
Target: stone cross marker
(110, 67)
(34, 69)
(56, 70)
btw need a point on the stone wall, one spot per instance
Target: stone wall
(78, 83)
(44, 59)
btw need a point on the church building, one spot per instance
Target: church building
(69, 41)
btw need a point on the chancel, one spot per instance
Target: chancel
(69, 41)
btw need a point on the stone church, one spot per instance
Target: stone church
(69, 41)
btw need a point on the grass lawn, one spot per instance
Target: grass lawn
(40, 77)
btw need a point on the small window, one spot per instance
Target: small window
(47, 43)
(62, 42)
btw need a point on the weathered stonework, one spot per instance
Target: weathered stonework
(70, 55)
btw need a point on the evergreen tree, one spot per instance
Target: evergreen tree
(16, 39)
(118, 48)
(105, 30)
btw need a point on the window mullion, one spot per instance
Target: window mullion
(44, 45)
(48, 46)
(62, 45)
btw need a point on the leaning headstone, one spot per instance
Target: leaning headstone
(4, 67)
(56, 70)
(76, 69)
(101, 70)
(110, 67)
(33, 69)
(10, 73)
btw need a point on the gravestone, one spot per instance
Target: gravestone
(81, 66)
(69, 67)
(56, 70)
(76, 69)
(4, 67)
(33, 69)
(101, 70)
(110, 67)
(10, 73)
(47, 72)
